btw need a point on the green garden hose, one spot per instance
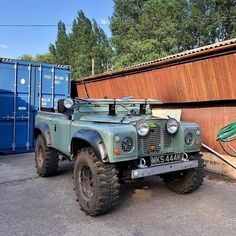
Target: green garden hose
(225, 136)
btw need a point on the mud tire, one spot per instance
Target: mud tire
(189, 180)
(97, 193)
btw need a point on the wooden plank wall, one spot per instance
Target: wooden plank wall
(201, 80)
(211, 120)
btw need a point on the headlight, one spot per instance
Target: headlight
(68, 103)
(189, 138)
(172, 126)
(127, 144)
(142, 127)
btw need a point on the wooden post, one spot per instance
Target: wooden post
(92, 66)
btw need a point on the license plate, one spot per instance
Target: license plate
(163, 159)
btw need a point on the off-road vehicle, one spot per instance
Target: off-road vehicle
(112, 140)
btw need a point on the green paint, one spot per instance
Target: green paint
(95, 118)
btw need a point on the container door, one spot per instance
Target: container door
(7, 75)
(52, 84)
(62, 84)
(17, 114)
(24, 109)
(45, 78)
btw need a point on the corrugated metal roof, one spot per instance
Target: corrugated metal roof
(193, 51)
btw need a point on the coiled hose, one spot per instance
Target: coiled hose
(225, 136)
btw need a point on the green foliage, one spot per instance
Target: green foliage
(60, 51)
(87, 41)
(26, 57)
(144, 30)
(47, 58)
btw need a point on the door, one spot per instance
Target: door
(16, 114)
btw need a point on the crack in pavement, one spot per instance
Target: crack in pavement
(18, 180)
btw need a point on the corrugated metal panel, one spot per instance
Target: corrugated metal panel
(207, 48)
(24, 88)
(212, 50)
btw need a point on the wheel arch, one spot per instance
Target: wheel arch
(43, 129)
(89, 138)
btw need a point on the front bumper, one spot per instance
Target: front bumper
(162, 169)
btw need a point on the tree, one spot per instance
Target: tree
(88, 41)
(46, 58)
(102, 51)
(82, 41)
(144, 30)
(60, 50)
(26, 57)
(124, 25)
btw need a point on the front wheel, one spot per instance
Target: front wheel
(186, 181)
(46, 159)
(96, 183)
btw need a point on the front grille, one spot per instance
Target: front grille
(156, 140)
(168, 138)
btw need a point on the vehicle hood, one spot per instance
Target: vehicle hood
(111, 119)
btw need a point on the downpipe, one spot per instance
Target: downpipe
(218, 155)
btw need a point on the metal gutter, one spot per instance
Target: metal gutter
(198, 104)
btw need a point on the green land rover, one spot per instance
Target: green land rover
(112, 140)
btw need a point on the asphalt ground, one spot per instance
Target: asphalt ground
(30, 205)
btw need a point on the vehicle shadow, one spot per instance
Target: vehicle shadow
(65, 167)
(144, 188)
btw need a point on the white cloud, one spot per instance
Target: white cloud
(104, 21)
(4, 46)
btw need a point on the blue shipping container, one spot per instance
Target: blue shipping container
(25, 87)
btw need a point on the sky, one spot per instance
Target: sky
(16, 41)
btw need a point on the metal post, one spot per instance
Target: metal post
(29, 106)
(14, 108)
(53, 84)
(69, 82)
(40, 85)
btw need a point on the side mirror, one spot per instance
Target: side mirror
(60, 106)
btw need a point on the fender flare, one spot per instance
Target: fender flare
(43, 128)
(94, 139)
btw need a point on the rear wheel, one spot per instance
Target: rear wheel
(96, 183)
(186, 181)
(46, 159)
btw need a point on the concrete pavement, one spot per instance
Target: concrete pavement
(30, 205)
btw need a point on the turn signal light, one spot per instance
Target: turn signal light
(117, 151)
(197, 143)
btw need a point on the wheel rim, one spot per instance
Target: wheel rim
(40, 156)
(86, 182)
